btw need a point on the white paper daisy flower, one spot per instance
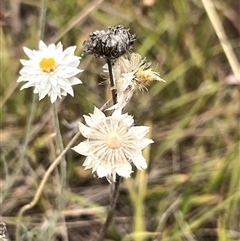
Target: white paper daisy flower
(131, 72)
(112, 144)
(50, 70)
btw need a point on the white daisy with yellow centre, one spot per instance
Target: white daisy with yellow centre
(131, 72)
(112, 144)
(50, 70)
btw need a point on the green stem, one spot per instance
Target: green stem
(63, 164)
(42, 19)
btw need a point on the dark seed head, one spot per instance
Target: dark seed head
(110, 44)
(3, 229)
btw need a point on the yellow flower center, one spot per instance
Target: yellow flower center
(48, 65)
(114, 141)
(145, 75)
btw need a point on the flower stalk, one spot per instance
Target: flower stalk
(63, 163)
(112, 84)
(113, 202)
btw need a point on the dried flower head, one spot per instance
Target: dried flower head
(131, 72)
(112, 144)
(3, 230)
(110, 44)
(50, 70)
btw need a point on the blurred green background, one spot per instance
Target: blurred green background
(190, 190)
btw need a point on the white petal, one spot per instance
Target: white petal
(139, 131)
(94, 118)
(88, 163)
(25, 62)
(68, 89)
(128, 120)
(27, 85)
(53, 97)
(59, 45)
(84, 129)
(51, 48)
(75, 81)
(82, 148)
(117, 112)
(145, 142)
(124, 170)
(28, 52)
(42, 46)
(124, 81)
(115, 107)
(41, 94)
(102, 171)
(140, 162)
(98, 113)
(88, 120)
(21, 79)
(70, 50)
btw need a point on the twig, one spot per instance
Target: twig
(43, 182)
(227, 48)
(105, 104)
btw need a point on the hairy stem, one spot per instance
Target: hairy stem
(63, 174)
